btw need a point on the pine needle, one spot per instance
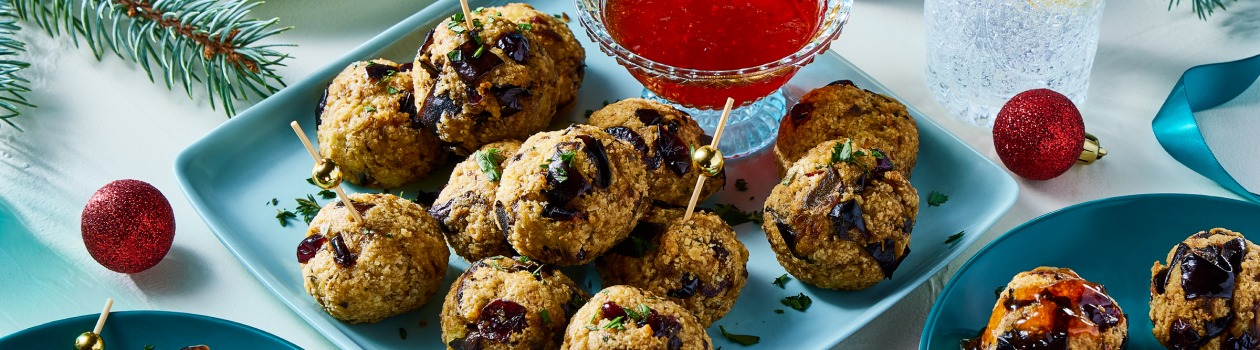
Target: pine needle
(12, 86)
(1202, 8)
(189, 42)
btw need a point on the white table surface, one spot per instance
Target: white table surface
(102, 121)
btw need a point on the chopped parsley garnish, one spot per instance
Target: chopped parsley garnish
(741, 185)
(842, 152)
(935, 199)
(274, 201)
(639, 313)
(480, 50)
(148, 347)
(488, 161)
(402, 333)
(284, 216)
(788, 179)
(545, 317)
(458, 17)
(566, 157)
(454, 56)
(955, 237)
(778, 311)
(477, 24)
(733, 216)
(525, 26)
(311, 181)
(877, 154)
(781, 281)
(742, 339)
(307, 207)
(616, 323)
(391, 90)
(800, 302)
(327, 194)
(369, 109)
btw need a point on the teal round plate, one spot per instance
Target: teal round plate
(135, 330)
(1111, 241)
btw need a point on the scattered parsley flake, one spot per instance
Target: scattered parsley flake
(877, 153)
(477, 11)
(545, 317)
(741, 185)
(935, 199)
(567, 158)
(284, 216)
(307, 207)
(616, 323)
(733, 216)
(311, 181)
(391, 90)
(148, 347)
(327, 194)
(778, 311)
(402, 333)
(997, 293)
(955, 237)
(590, 327)
(369, 109)
(859, 153)
(742, 339)
(781, 281)
(800, 302)
(458, 17)
(488, 161)
(477, 24)
(643, 310)
(842, 152)
(480, 50)
(454, 56)
(525, 26)
(588, 113)
(788, 179)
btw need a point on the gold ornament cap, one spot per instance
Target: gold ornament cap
(326, 174)
(709, 159)
(1091, 150)
(89, 341)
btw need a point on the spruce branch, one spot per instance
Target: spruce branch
(1202, 8)
(205, 41)
(12, 86)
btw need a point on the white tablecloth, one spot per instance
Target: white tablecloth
(102, 121)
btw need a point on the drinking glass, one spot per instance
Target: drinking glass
(702, 93)
(981, 53)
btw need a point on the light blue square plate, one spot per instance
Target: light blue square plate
(230, 173)
(1109, 241)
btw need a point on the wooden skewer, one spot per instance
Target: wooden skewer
(345, 200)
(717, 137)
(100, 322)
(467, 14)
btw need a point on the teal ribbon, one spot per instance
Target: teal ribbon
(1202, 88)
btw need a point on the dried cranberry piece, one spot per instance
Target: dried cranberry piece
(309, 246)
(499, 319)
(319, 109)
(407, 105)
(663, 326)
(1099, 309)
(842, 82)
(599, 156)
(510, 98)
(341, 253)
(360, 206)
(473, 341)
(800, 112)
(886, 256)
(377, 71)
(611, 310)
(471, 66)
(628, 135)
(690, 284)
(648, 116)
(1158, 281)
(1210, 271)
(564, 181)
(846, 216)
(719, 250)
(434, 107)
(712, 291)
(673, 151)
(515, 45)
(560, 213)
(1183, 336)
(428, 40)
(501, 215)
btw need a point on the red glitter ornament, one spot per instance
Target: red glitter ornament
(128, 226)
(1039, 134)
